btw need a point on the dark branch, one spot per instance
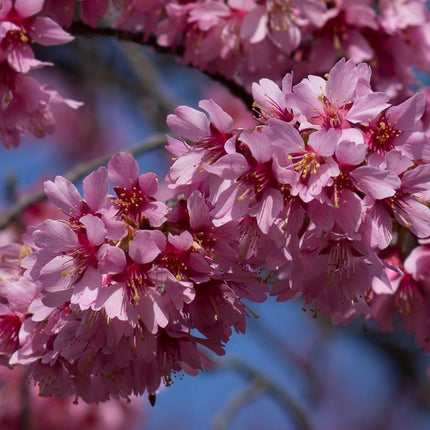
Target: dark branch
(79, 172)
(81, 29)
(284, 400)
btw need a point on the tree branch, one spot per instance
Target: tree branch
(223, 420)
(74, 175)
(284, 400)
(152, 95)
(81, 29)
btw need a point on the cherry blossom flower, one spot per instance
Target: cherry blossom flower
(51, 413)
(409, 297)
(135, 193)
(19, 28)
(26, 106)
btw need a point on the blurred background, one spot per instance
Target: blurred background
(290, 370)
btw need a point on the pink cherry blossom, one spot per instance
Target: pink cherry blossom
(409, 297)
(26, 106)
(19, 28)
(135, 193)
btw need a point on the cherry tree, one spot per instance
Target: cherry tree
(312, 185)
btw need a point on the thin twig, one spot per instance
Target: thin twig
(225, 417)
(74, 175)
(24, 416)
(273, 341)
(153, 96)
(80, 29)
(284, 400)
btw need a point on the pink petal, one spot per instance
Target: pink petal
(147, 245)
(186, 168)
(198, 211)
(95, 229)
(96, 188)
(21, 58)
(5, 7)
(64, 195)
(417, 263)
(47, 32)
(260, 145)
(285, 136)
(380, 184)
(156, 213)
(229, 166)
(55, 235)
(418, 179)
(189, 123)
(86, 289)
(397, 162)
(112, 299)
(182, 241)
(268, 209)
(377, 227)
(357, 47)
(406, 114)
(350, 154)
(367, 107)
(123, 170)
(342, 81)
(266, 92)
(348, 215)
(111, 259)
(20, 293)
(221, 119)
(229, 205)
(324, 142)
(254, 25)
(148, 183)
(414, 215)
(28, 8)
(93, 10)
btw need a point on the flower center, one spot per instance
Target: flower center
(408, 294)
(213, 145)
(256, 180)
(382, 135)
(130, 201)
(281, 15)
(304, 163)
(271, 110)
(340, 263)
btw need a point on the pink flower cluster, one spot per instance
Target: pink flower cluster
(241, 39)
(330, 177)
(120, 287)
(410, 296)
(25, 104)
(251, 39)
(17, 400)
(326, 197)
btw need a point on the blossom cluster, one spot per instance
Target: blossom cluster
(329, 178)
(268, 38)
(241, 40)
(120, 287)
(25, 104)
(326, 197)
(19, 403)
(252, 39)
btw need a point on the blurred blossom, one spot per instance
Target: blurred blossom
(235, 107)
(20, 401)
